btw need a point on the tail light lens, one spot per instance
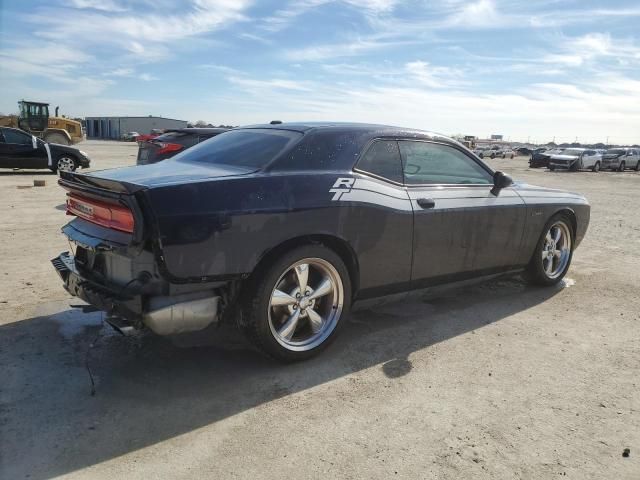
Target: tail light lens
(168, 147)
(108, 215)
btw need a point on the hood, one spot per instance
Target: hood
(526, 190)
(58, 148)
(139, 177)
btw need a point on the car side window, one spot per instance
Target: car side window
(12, 136)
(434, 163)
(382, 159)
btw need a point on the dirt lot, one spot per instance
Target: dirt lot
(499, 380)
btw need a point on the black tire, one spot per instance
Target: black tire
(638, 166)
(66, 163)
(621, 167)
(255, 317)
(552, 168)
(575, 166)
(481, 155)
(493, 155)
(534, 272)
(596, 167)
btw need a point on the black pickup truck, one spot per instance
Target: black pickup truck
(280, 228)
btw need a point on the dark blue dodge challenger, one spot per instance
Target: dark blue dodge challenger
(282, 227)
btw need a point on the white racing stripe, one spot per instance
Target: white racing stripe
(49, 161)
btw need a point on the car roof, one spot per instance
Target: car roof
(345, 127)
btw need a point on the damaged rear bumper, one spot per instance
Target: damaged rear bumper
(164, 315)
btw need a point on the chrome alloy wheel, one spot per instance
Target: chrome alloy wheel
(556, 250)
(306, 304)
(66, 164)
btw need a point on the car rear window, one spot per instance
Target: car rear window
(246, 148)
(323, 150)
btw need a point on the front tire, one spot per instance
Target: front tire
(622, 167)
(638, 166)
(554, 251)
(66, 163)
(596, 167)
(295, 306)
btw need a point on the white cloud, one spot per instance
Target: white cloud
(283, 17)
(104, 5)
(350, 48)
(139, 33)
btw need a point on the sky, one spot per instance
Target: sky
(529, 70)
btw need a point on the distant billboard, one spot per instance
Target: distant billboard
(497, 137)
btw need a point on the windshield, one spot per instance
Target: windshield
(616, 151)
(246, 148)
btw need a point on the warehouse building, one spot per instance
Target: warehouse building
(114, 127)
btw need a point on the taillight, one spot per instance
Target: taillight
(168, 147)
(108, 215)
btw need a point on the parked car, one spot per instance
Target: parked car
(19, 149)
(575, 159)
(172, 142)
(155, 132)
(540, 157)
(507, 152)
(483, 152)
(526, 151)
(281, 227)
(621, 158)
(129, 137)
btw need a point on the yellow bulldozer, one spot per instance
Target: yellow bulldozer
(34, 118)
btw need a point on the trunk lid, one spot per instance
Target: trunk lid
(140, 177)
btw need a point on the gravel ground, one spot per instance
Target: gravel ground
(498, 380)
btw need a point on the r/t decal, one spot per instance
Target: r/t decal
(342, 185)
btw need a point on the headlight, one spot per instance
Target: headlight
(82, 153)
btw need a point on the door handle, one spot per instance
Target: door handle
(426, 202)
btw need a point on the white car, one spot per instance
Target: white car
(483, 152)
(130, 136)
(621, 158)
(575, 159)
(507, 152)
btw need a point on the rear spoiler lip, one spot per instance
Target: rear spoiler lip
(78, 180)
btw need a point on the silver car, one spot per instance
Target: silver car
(575, 159)
(621, 158)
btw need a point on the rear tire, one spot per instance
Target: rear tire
(638, 166)
(58, 138)
(621, 167)
(291, 315)
(554, 251)
(596, 167)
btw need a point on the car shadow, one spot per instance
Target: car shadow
(149, 389)
(7, 173)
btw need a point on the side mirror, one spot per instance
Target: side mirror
(500, 180)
